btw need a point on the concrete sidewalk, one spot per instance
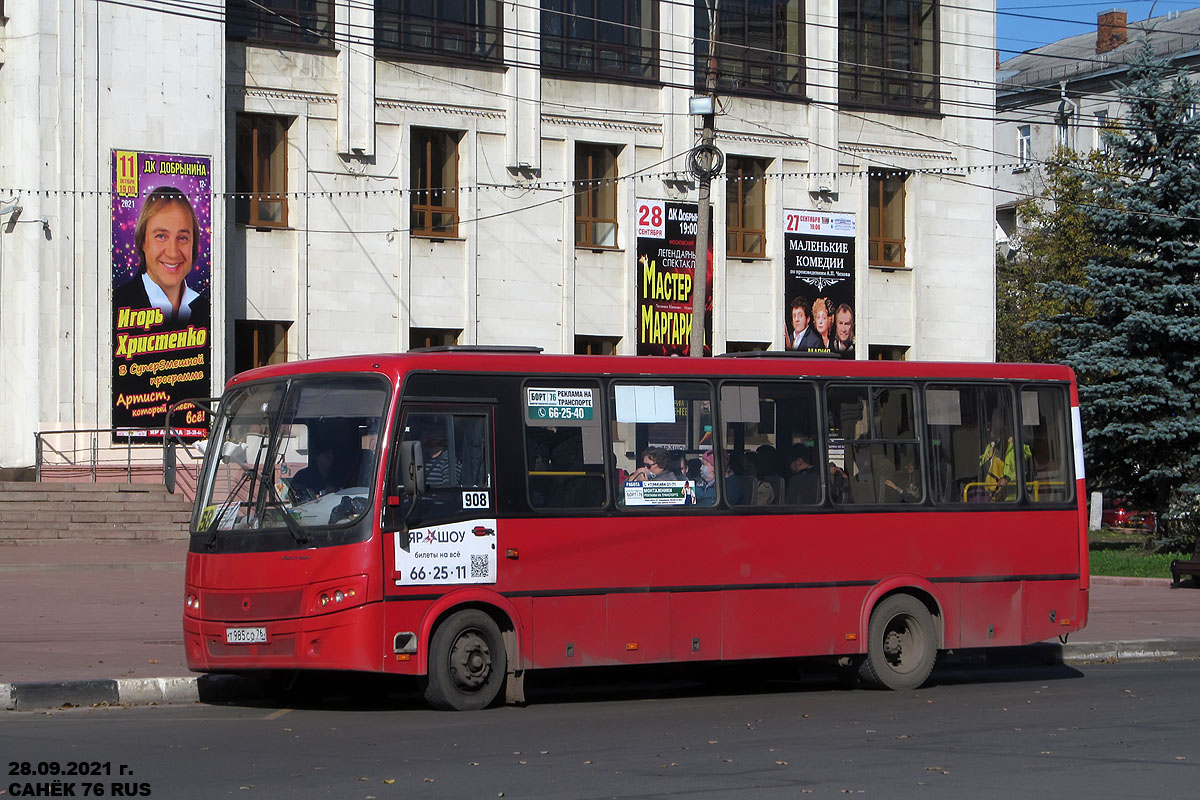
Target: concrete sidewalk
(90, 623)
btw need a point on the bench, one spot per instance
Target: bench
(1180, 567)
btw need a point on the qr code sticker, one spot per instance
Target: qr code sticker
(479, 566)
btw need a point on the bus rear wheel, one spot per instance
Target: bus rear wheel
(467, 662)
(901, 644)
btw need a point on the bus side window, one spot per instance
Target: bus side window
(456, 450)
(875, 455)
(663, 446)
(974, 443)
(771, 430)
(564, 445)
(1046, 445)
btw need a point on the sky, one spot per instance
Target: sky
(1042, 22)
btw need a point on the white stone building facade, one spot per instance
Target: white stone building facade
(349, 90)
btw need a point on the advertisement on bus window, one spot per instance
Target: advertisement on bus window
(818, 282)
(666, 254)
(161, 274)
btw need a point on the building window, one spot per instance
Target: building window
(888, 52)
(887, 352)
(601, 38)
(759, 47)
(257, 343)
(595, 195)
(1024, 143)
(432, 337)
(458, 29)
(745, 208)
(261, 179)
(434, 183)
(1102, 125)
(886, 219)
(303, 22)
(747, 347)
(596, 345)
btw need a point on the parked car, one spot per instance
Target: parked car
(1118, 515)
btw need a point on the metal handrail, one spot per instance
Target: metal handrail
(100, 456)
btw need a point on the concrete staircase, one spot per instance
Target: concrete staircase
(42, 513)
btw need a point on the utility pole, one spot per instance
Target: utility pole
(705, 162)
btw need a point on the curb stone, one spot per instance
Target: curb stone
(141, 691)
(232, 688)
(1149, 649)
(122, 691)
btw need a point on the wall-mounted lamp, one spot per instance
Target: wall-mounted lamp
(12, 209)
(701, 104)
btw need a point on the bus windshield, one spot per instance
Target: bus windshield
(293, 455)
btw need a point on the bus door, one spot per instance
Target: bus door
(446, 535)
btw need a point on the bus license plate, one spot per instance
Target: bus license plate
(245, 635)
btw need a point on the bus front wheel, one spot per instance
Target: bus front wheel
(467, 662)
(901, 644)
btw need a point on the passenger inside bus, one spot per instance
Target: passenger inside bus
(998, 462)
(905, 485)
(655, 466)
(706, 487)
(804, 485)
(769, 470)
(440, 469)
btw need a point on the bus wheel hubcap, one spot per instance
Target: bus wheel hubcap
(900, 634)
(470, 660)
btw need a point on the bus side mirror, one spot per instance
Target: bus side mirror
(412, 468)
(169, 463)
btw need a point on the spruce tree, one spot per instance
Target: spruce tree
(1137, 353)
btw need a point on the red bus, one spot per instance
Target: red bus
(467, 514)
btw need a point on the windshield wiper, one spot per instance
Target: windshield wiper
(298, 533)
(211, 542)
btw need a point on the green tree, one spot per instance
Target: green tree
(1055, 242)
(1137, 353)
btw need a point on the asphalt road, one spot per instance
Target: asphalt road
(1103, 730)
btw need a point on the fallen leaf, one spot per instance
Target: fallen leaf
(429, 780)
(388, 780)
(781, 763)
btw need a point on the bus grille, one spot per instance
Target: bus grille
(252, 605)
